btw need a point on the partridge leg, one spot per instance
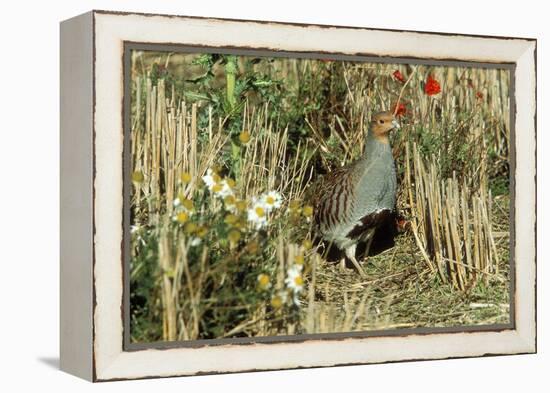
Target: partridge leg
(369, 242)
(350, 253)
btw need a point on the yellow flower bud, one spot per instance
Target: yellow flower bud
(241, 205)
(185, 177)
(202, 231)
(190, 227)
(229, 200)
(234, 236)
(276, 302)
(187, 203)
(182, 217)
(137, 177)
(299, 259)
(231, 219)
(244, 137)
(294, 205)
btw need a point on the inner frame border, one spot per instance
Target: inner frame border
(129, 46)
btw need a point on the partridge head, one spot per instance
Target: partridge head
(381, 125)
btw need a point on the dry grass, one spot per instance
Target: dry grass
(451, 224)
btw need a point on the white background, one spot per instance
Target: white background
(29, 197)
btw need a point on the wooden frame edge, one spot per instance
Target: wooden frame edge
(529, 348)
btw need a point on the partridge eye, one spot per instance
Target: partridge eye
(381, 121)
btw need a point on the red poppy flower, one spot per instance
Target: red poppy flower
(400, 109)
(399, 76)
(402, 225)
(479, 95)
(432, 86)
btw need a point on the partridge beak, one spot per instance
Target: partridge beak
(395, 125)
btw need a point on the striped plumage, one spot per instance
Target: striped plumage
(351, 202)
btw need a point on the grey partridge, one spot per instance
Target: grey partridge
(351, 202)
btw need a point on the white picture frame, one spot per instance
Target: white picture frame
(92, 138)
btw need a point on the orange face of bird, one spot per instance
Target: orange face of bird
(382, 123)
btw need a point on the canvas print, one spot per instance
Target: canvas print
(275, 195)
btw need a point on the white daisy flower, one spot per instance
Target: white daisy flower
(219, 187)
(294, 279)
(263, 281)
(224, 190)
(208, 179)
(183, 209)
(257, 215)
(280, 299)
(195, 241)
(271, 200)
